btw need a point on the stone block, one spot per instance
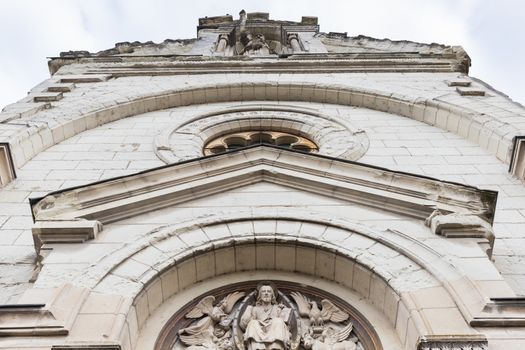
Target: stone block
(84, 78)
(344, 271)
(58, 87)
(245, 257)
(224, 261)
(265, 256)
(65, 231)
(465, 91)
(305, 260)
(169, 283)
(324, 264)
(47, 96)
(361, 280)
(205, 266)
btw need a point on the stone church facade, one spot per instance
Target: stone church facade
(263, 187)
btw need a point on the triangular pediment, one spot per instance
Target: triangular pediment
(119, 198)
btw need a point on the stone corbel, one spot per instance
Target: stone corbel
(457, 225)
(70, 231)
(453, 342)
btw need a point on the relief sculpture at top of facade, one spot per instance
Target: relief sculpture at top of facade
(267, 319)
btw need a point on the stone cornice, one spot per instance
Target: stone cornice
(125, 65)
(403, 193)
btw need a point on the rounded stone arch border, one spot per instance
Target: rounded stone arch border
(372, 326)
(456, 119)
(334, 137)
(387, 269)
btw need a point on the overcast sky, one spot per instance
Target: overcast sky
(492, 32)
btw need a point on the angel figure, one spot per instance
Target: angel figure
(211, 331)
(317, 317)
(330, 339)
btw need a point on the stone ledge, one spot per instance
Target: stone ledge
(84, 78)
(453, 342)
(61, 87)
(502, 312)
(29, 320)
(461, 226)
(22, 110)
(77, 231)
(87, 347)
(48, 97)
(464, 91)
(459, 82)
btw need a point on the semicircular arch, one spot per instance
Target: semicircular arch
(436, 113)
(376, 265)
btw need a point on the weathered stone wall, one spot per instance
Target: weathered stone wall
(127, 146)
(79, 145)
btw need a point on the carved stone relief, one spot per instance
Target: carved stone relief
(254, 34)
(267, 317)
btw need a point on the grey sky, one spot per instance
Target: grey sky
(492, 32)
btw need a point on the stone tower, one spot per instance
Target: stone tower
(263, 186)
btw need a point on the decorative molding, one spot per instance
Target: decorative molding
(305, 63)
(115, 199)
(453, 342)
(87, 347)
(29, 320)
(502, 312)
(335, 138)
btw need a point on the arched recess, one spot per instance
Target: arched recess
(457, 119)
(387, 269)
(373, 328)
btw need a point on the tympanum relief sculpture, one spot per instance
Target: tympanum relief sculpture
(267, 319)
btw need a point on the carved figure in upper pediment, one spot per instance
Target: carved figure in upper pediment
(251, 44)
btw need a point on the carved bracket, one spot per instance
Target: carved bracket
(457, 225)
(68, 231)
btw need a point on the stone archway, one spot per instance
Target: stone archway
(386, 273)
